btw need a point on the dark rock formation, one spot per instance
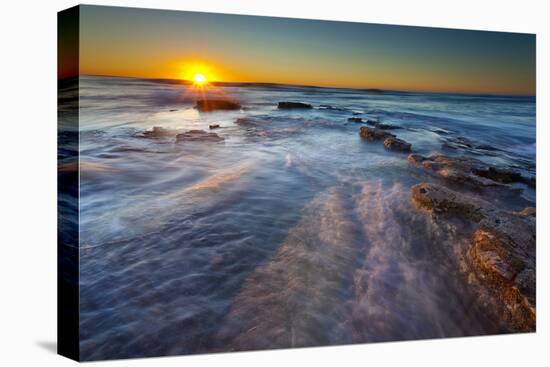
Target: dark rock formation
(293, 105)
(198, 136)
(374, 133)
(397, 144)
(355, 119)
(214, 126)
(382, 126)
(467, 170)
(502, 251)
(209, 105)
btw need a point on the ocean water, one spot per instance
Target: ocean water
(291, 232)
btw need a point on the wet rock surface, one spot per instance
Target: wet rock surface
(293, 105)
(397, 144)
(468, 170)
(213, 126)
(502, 248)
(369, 133)
(391, 142)
(198, 136)
(209, 105)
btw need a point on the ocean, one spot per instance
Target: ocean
(293, 230)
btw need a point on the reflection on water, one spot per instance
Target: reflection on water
(290, 232)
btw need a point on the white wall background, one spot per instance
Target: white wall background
(28, 181)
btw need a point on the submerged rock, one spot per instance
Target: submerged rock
(209, 105)
(355, 119)
(457, 142)
(386, 126)
(502, 250)
(397, 144)
(198, 136)
(467, 170)
(331, 108)
(293, 105)
(158, 132)
(381, 125)
(374, 133)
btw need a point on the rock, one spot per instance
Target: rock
(397, 144)
(439, 200)
(499, 175)
(173, 110)
(374, 133)
(466, 170)
(214, 126)
(510, 274)
(502, 250)
(382, 126)
(158, 132)
(293, 105)
(355, 119)
(198, 136)
(209, 105)
(529, 212)
(372, 122)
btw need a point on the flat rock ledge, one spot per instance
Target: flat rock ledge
(209, 105)
(198, 136)
(397, 145)
(468, 170)
(502, 250)
(293, 105)
(391, 142)
(372, 133)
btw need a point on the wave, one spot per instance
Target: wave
(288, 301)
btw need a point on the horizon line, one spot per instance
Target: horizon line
(364, 89)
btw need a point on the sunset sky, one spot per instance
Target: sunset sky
(174, 44)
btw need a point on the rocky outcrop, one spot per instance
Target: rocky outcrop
(198, 136)
(467, 170)
(293, 105)
(209, 105)
(502, 251)
(213, 126)
(391, 142)
(374, 133)
(397, 145)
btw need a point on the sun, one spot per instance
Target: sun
(199, 79)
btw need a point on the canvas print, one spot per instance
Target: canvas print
(237, 183)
